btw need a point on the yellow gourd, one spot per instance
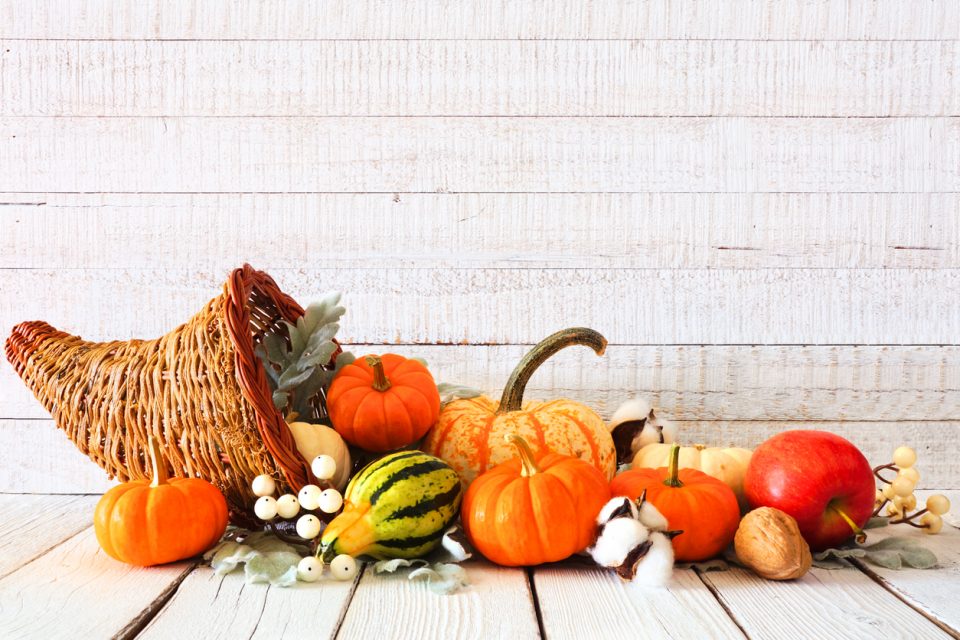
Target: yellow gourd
(316, 439)
(725, 464)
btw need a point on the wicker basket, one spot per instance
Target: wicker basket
(199, 390)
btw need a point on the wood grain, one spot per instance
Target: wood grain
(32, 525)
(578, 602)
(76, 591)
(226, 607)
(523, 305)
(458, 78)
(839, 383)
(35, 457)
(927, 590)
(841, 603)
(497, 604)
(440, 155)
(211, 232)
(462, 19)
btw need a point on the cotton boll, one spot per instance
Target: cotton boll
(657, 429)
(617, 508)
(651, 517)
(634, 409)
(656, 567)
(618, 538)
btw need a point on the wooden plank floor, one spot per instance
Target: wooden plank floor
(55, 582)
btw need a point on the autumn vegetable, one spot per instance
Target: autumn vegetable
(769, 542)
(726, 464)
(144, 522)
(315, 440)
(396, 507)
(636, 424)
(704, 508)
(382, 403)
(534, 509)
(471, 434)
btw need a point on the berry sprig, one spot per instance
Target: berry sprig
(898, 498)
(306, 514)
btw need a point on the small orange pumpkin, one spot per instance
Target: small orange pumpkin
(382, 403)
(146, 523)
(529, 511)
(471, 434)
(701, 506)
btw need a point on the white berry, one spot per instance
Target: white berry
(938, 504)
(931, 523)
(887, 492)
(263, 485)
(287, 505)
(308, 526)
(265, 508)
(910, 473)
(309, 496)
(343, 567)
(310, 569)
(902, 487)
(906, 503)
(324, 467)
(330, 501)
(904, 457)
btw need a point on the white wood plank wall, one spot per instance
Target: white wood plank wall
(757, 202)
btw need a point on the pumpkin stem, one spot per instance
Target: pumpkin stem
(157, 463)
(673, 471)
(512, 396)
(380, 382)
(528, 461)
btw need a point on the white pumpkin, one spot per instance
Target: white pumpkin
(725, 464)
(316, 439)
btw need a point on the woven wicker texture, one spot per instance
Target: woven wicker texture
(199, 390)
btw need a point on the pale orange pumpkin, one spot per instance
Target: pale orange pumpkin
(146, 523)
(471, 435)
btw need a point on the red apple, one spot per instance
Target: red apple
(818, 478)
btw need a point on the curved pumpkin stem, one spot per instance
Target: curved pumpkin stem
(513, 391)
(157, 463)
(528, 461)
(380, 382)
(673, 471)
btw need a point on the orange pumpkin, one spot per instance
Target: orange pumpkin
(471, 434)
(528, 511)
(382, 403)
(701, 506)
(146, 523)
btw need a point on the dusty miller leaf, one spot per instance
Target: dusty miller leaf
(442, 579)
(265, 557)
(450, 392)
(891, 553)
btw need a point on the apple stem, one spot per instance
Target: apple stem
(861, 534)
(673, 471)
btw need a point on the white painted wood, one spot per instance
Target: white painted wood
(35, 457)
(843, 603)
(841, 383)
(32, 525)
(497, 604)
(211, 232)
(503, 78)
(211, 606)
(524, 305)
(479, 154)
(578, 602)
(931, 591)
(77, 591)
(462, 19)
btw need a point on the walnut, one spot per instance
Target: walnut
(769, 542)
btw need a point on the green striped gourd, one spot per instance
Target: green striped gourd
(397, 507)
